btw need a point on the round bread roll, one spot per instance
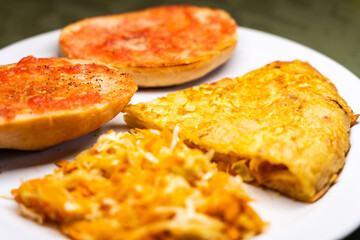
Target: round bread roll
(160, 46)
(46, 101)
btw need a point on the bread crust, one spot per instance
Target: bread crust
(152, 46)
(24, 126)
(169, 76)
(51, 129)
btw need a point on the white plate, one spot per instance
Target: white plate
(332, 217)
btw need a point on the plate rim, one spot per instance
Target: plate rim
(45, 35)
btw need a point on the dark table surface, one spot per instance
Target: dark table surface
(331, 27)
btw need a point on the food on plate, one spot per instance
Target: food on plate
(160, 46)
(46, 101)
(283, 126)
(146, 184)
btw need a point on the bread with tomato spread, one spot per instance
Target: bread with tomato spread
(46, 101)
(160, 46)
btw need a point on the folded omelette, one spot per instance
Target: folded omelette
(283, 126)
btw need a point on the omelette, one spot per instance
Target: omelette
(283, 126)
(146, 184)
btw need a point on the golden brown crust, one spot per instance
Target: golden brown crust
(44, 131)
(160, 46)
(283, 126)
(48, 101)
(168, 76)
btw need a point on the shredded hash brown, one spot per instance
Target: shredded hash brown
(145, 184)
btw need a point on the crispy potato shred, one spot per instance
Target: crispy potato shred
(145, 184)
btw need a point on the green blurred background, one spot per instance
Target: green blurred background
(331, 27)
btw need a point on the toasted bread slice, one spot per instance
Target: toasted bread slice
(46, 101)
(160, 46)
(142, 185)
(283, 126)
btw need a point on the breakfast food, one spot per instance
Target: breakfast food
(46, 101)
(160, 46)
(145, 184)
(283, 126)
